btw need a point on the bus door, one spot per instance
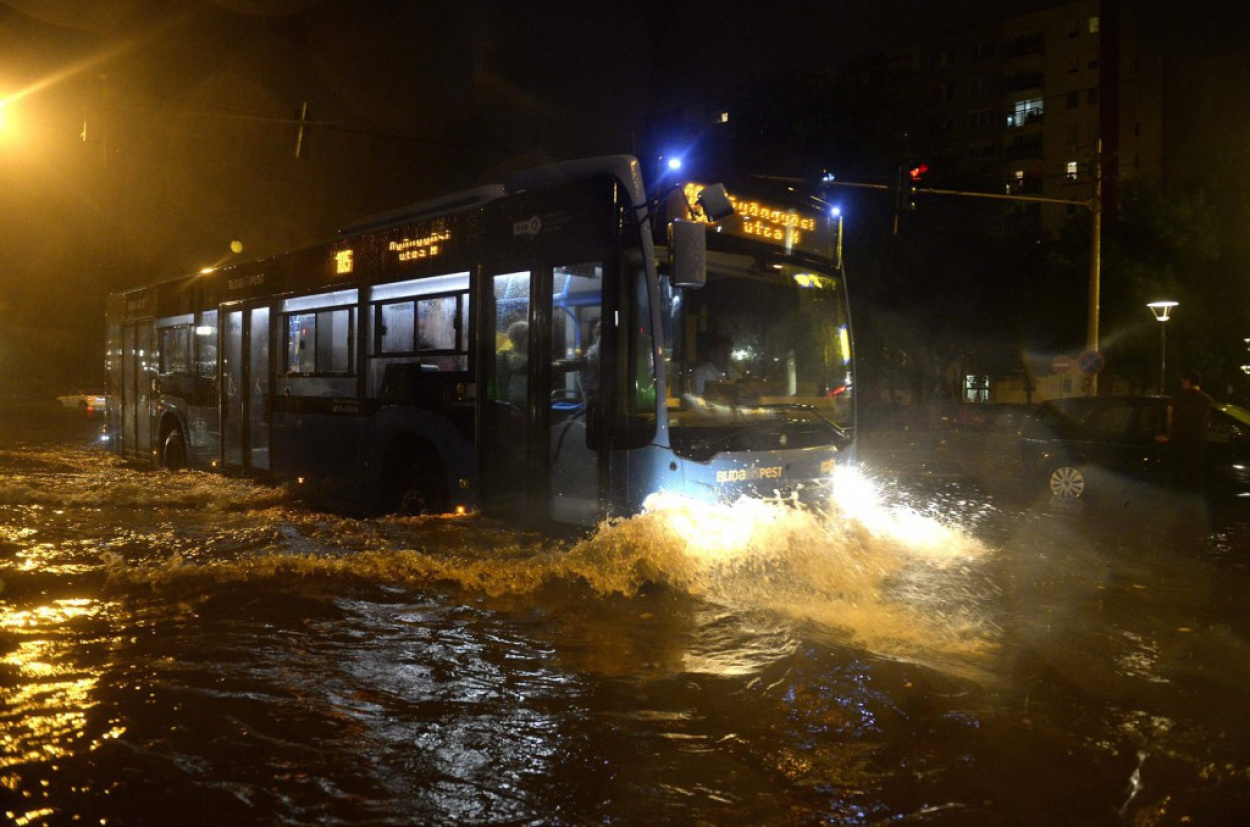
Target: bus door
(137, 374)
(244, 348)
(541, 379)
(512, 471)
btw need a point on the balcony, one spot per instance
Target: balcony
(1023, 80)
(1027, 117)
(1023, 150)
(1029, 184)
(1034, 44)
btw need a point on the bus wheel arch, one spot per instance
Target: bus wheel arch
(414, 479)
(173, 444)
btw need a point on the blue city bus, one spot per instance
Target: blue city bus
(552, 349)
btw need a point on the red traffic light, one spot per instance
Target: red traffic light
(917, 172)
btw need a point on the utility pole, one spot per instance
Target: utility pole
(1095, 265)
(299, 135)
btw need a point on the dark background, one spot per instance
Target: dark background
(146, 136)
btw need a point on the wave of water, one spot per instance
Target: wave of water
(864, 572)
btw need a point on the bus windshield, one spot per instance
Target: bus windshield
(760, 358)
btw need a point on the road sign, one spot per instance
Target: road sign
(1091, 362)
(1061, 364)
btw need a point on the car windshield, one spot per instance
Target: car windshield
(759, 358)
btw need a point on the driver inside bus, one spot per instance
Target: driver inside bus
(717, 368)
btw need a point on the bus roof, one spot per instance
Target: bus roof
(443, 205)
(624, 167)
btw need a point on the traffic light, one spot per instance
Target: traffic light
(910, 177)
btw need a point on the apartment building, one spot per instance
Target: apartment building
(1020, 106)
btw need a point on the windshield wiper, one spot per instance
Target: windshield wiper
(843, 434)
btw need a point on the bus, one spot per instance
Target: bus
(552, 350)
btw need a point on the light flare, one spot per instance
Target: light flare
(715, 533)
(857, 496)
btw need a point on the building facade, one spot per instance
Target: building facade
(1021, 106)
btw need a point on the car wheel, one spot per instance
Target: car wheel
(1067, 482)
(174, 451)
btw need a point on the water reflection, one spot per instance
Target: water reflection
(204, 648)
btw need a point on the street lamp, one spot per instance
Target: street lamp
(1162, 311)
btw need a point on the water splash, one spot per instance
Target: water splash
(882, 576)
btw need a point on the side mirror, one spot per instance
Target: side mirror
(715, 203)
(687, 252)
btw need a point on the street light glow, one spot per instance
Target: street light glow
(1162, 309)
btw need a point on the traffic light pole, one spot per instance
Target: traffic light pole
(1093, 204)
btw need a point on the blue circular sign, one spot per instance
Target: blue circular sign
(1091, 362)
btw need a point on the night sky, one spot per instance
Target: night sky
(189, 136)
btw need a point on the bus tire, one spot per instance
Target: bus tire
(174, 451)
(418, 484)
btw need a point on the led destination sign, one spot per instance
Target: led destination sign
(762, 221)
(427, 246)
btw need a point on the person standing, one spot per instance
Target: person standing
(513, 366)
(1187, 423)
(588, 366)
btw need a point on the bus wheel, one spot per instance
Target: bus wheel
(420, 486)
(174, 451)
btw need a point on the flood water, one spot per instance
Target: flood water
(190, 649)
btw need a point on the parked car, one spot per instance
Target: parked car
(1087, 445)
(86, 402)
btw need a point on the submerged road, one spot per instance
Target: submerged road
(937, 649)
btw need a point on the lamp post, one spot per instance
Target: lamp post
(1162, 311)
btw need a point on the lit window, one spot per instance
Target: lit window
(320, 342)
(1026, 111)
(1072, 170)
(1093, 25)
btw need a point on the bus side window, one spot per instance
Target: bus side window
(577, 308)
(206, 345)
(320, 343)
(176, 350)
